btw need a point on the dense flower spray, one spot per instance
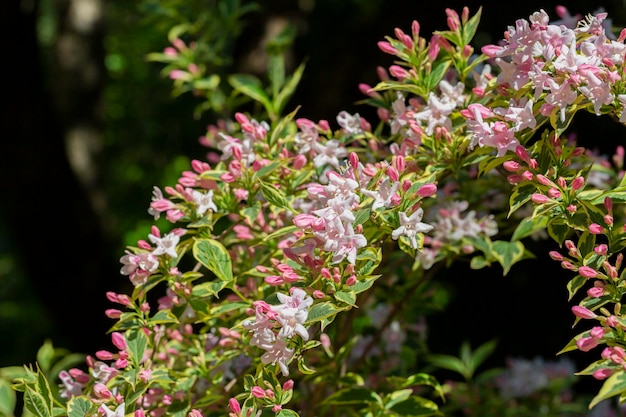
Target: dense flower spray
(291, 226)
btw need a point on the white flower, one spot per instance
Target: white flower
(165, 245)
(204, 201)
(410, 226)
(119, 411)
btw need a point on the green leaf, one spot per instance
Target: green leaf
(614, 385)
(479, 262)
(163, 317)
(364, 283)
(434, 78)
(250, 86)
(507, 253)
(227, 307)
(321, 311)
(353, 396)
(520, 196)
(287, 91)
(481, 353)
(448, 362)
(469, 29)
(304, 368)
(280, 232)
(574, 285)
(79, 407)
(214, 256)
(529, 226)
(287, 413)
(251, 212)
(416, 406)
(558, 230)
(396, 397)
(268, 169)
(35, 403)
(208, 289)
(7, 399)
(45, 355)
(368, 260)
(347, 297)
(488, 164)
(43, 388)
(136, 342)
(273, 195)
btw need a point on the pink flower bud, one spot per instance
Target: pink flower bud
(540, 198)
(258, 391)
(351, 280)
(583, 312)
(304, 220)
(398, 72)
(427, 190)
(608, 219)
(118, 340)
(354, 160)
(104, 355)
(318, 294)
(101, 391)
(585, 344)
(556, 256)
(596, 332)
(601, 249)
(578, 183)
(554, 193)
(595, 228)
(542, 179)
(234, 406)
(299, 162)
(587, 272)
(511, 166)
(603, 373)
(113, 313)
(595, 292)
(608, 204)
(387, 48)
(392, 173)
(288, 385)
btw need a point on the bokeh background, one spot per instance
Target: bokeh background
(89, 125)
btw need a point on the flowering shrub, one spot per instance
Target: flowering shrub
(247, 304)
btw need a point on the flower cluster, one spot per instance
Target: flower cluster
(290, 225)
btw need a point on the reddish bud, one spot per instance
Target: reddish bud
(595, 229)
(540, 198)
(511, 166)
(427, 190)
(583, 312)
(556, 256)
(587, 272)
(578, 183)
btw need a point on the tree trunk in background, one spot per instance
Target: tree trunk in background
(52, 226)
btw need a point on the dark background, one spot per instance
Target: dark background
(63, 229)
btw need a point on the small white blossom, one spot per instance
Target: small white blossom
(410, 226)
